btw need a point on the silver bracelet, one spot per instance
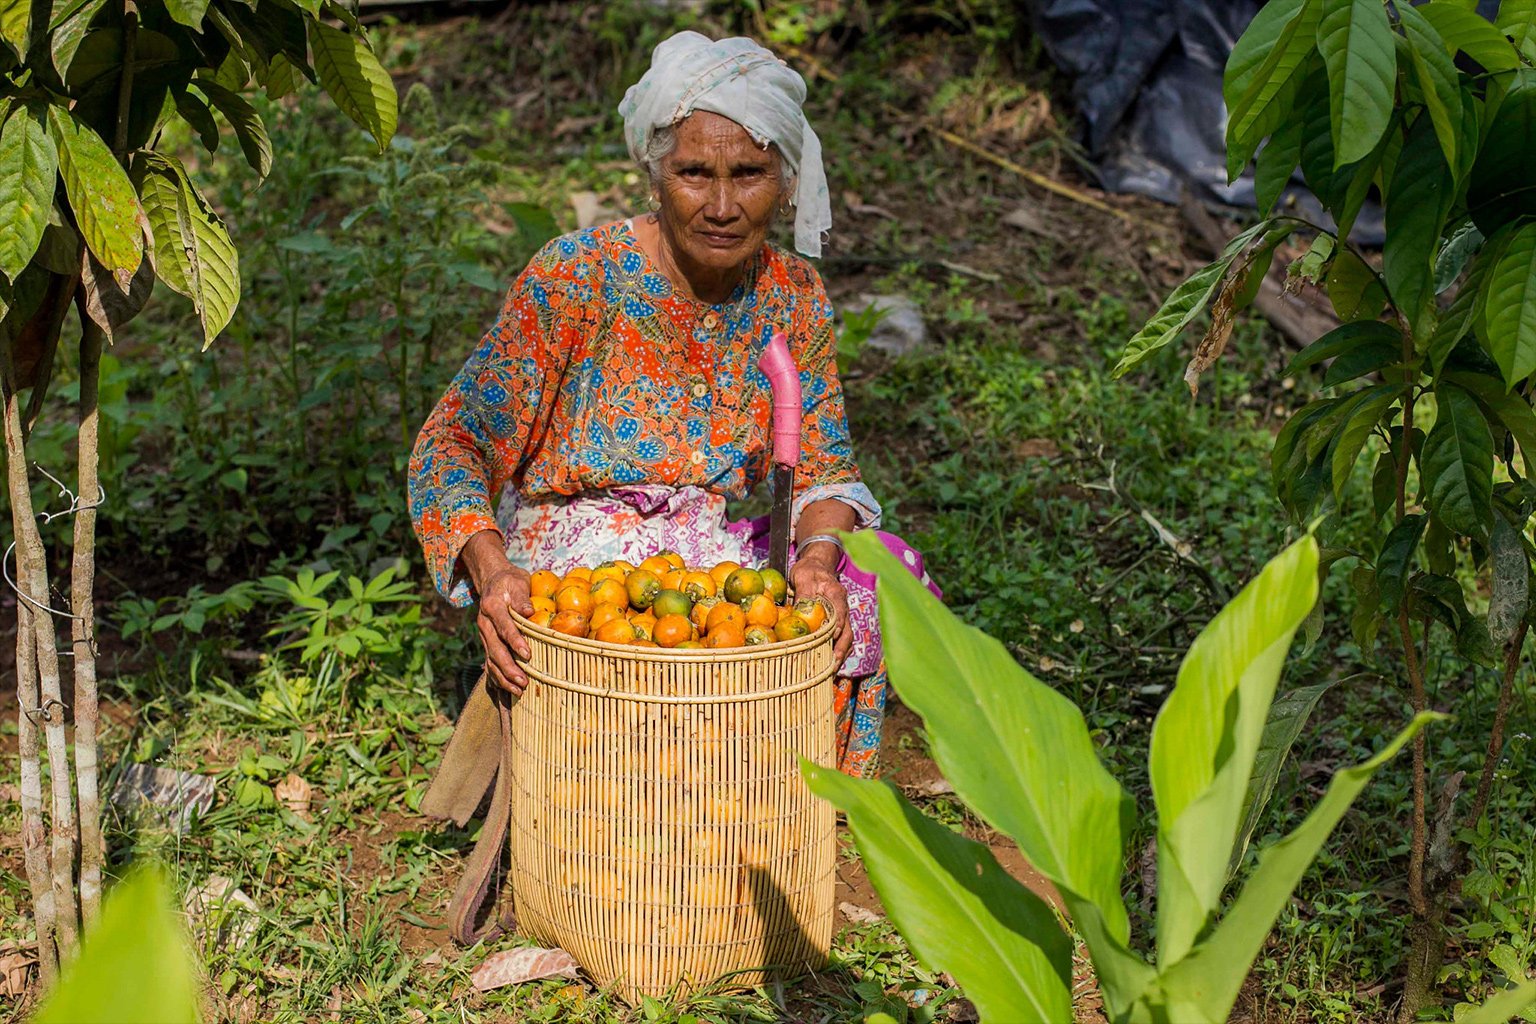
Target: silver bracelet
(830, 538)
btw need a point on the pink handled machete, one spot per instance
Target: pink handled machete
(779, 366)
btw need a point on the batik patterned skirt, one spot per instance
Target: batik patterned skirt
(634, 522)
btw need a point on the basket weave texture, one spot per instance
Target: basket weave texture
(660, 827)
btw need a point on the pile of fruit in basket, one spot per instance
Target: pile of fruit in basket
(662, 602)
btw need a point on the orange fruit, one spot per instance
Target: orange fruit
(644, 623)
(688, 645)
(756, 635)
(571, 623)
(543, 603)
(698, 584)
(543, 583)
(760, 610)
(727, 634)
(605, 613)
(581, 572)
(671, 630)
(742, 584)
(813, 610)
(574, 599)
(774, 584)
(726, 614)
(621, 564)
(657, 565)
(672, 579)
(783, 612)
(543, 617)
(615, 631)
(790, 627)
(721, 570)
(700, 614)
(645, 642)
(609, 591)
(673, 559)
(642, 586)
(607, 571)
(672, 602)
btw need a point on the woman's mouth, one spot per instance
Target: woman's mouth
(720, 241)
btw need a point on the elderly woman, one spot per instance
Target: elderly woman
(617, 403)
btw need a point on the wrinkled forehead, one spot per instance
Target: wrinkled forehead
(704, 133)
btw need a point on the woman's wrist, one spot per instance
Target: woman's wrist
(484, 557)
(819, 552)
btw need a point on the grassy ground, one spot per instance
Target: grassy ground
(1002, 450)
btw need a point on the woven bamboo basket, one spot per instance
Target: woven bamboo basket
(660, 827)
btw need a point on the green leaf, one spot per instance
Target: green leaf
(134, 967)
(1287, 717)
(1416, 210)
(99, 192)
(1017, 752)
(1517, 20)
(1457, 464)
(355, 79)
(1459, 248)
(1437, 77)
(188, 12)
(1501, 187)
(1343, 339)
(1207, 734)
(1364, 620)
(958, 909)
(1342, 189)
(1186, 302)
(29, 166)
(1277, 161)
(1467, 32)
(1510, 409)
(1372, 406)
(196, 113)
(1503, 1006)
(1353, 287)
(1509, 307)
(193, 252)
(1510, 585)
(1458, 317)
(1356, 41)
(16, 25)
(1204, 985)
(1393, 561)
(1362, 360)
(246, 123)
(1258, 84)
(71, 20)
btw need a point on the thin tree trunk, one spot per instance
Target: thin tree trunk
(32, 578)
(1500, 719)
(83, 627)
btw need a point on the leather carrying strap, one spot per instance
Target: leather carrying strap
(478, 754)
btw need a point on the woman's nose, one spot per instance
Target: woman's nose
(721, 204)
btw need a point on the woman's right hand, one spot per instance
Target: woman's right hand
(502, 588)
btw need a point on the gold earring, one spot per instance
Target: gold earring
(654, 203)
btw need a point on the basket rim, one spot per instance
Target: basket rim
(710, 655)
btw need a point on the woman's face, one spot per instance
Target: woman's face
(719, 192)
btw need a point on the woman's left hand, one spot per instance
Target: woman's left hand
(810, 580)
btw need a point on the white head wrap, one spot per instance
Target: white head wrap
(738, 79)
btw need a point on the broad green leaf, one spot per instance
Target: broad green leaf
(1501, 187)
(1441, 598)
(16, 25)
(1509, 307)
(1468, 32)
(1207, 734)
(134, 967)
(1457, 464)
(1353, 287)
(1205, 984)
(1423, 190)
(29, 166)
(1502, 1007)
(1517, 20)
(1342, 189)
(1018, 753)
(1277, 161)
(1287, 717)
(1260, 71)
(71, 20)
(282, 78)
(355, 80)
(1460, 246)
(1394, 559)
(1365, 619)
(1341, 340)
(1437, 77)
(196, 113)
(99, 192)
(1510, 584)
(188, 12)
(241, 116)
(1356, 41)
(1362, 360)
(193, 252)
(1186, 302)
(1373, 405)
(955, 906)
(1509, 408)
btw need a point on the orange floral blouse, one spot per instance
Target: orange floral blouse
(598, 374)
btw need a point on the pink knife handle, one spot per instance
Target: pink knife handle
(779, 365)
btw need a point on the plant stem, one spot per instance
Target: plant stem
(34, 840)
(83, 626)
(1416, 698)
(32, 583)
(1512, 655)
